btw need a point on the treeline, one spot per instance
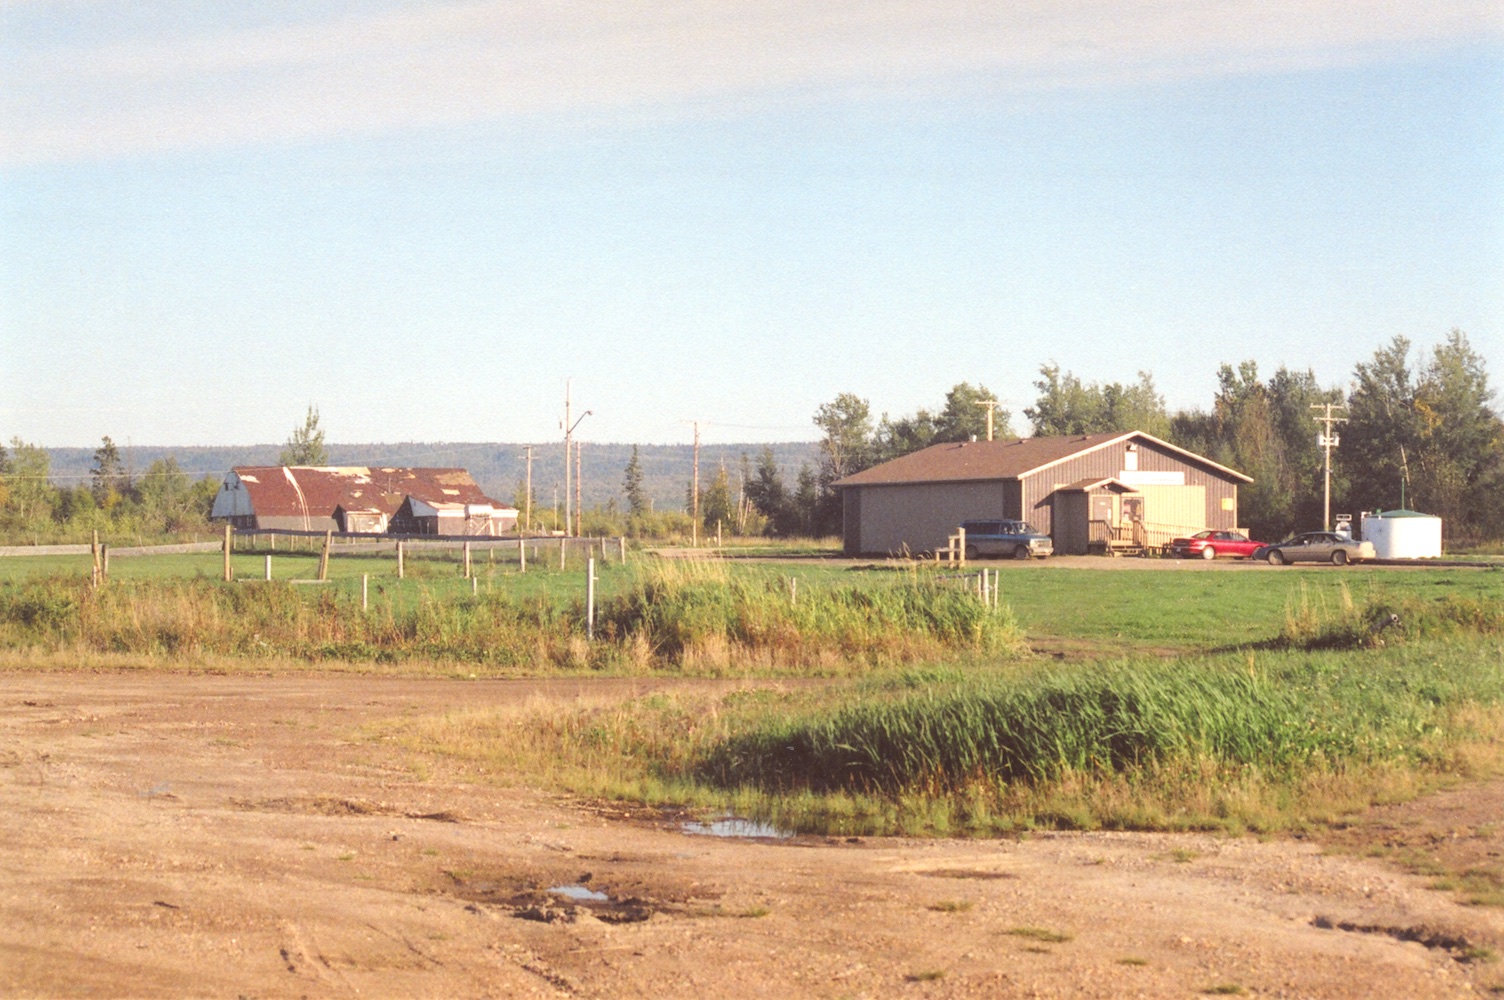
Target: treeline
(1418, 430)
(162, 501)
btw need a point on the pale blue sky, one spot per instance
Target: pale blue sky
(425, 217)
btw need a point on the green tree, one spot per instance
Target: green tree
(766, 492)
(108, 476)
(166, 497)
(845, 448)
(805, 507)
(1428, 435)
(1265, 430)
(1066, 405)
(964, 417)
(631, 484)
(305, 446)
(32, 499)
(715, 503)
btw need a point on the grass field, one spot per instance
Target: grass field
(1244, 698)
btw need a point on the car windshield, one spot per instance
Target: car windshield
(1025, 528)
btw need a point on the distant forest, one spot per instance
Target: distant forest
(499, 468)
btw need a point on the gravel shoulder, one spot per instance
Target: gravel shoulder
(207, 835)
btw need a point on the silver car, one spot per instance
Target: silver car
(1316, 546)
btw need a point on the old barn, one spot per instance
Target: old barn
(1086, 491)
(359, 499)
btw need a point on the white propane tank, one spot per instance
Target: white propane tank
(1403, 534)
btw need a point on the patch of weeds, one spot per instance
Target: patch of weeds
(430, 852)
(308, 847)
(1038, 934)
(1036, 949)
(1182, 855)
(750, 913)
(1132, 960)
(347, 856)
(1478, 953)
(952, 906)
(926, 976)
(1225, 990)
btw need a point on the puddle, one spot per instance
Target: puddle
(736, 826)
(579, 893)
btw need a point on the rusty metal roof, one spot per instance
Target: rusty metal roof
(971, 461)
(299, 490)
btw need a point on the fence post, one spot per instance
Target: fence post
(324, 555)
(94, 555)
(621, 547)
(229, 536)
(590, 598)
(104, 561)
(466, 556)
(365, 583)
(793, 591)
(522, 554)
(399, 558)
(268, 565)
(561, 551)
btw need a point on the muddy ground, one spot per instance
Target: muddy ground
(234, 836)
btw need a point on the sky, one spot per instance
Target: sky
(429, 219)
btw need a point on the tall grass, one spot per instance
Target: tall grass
(1319, 623)
(687, 617)
(1283, 713)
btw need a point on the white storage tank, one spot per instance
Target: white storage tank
(1403, 534)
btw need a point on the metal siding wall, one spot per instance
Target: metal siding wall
(1109, 462)
(851, 521)
(922, 516)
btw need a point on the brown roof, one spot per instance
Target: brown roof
(295, 491)
(1012, 459)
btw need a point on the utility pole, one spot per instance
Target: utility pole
(527, 500)
(568, 436)
(695, 491)
(991, 405)
(1327, 440)
(568, 430)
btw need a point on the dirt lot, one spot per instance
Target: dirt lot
(172, 836)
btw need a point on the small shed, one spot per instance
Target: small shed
(1402, 534)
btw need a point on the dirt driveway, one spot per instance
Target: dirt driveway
(175, 836)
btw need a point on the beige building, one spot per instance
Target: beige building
(1086, 491)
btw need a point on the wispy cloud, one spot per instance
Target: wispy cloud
(434, 65)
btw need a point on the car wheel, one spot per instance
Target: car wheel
(971, 552)
(1020, 552)
(1339, 557)
(1275, 557)
(1208, 553)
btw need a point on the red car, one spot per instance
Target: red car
(1211, 544)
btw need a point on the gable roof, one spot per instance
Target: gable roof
(307, 490)
(973, 461)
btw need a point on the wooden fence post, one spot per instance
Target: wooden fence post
(229, 541)
(522, 555)
(324, 555)
(399, 558)
(465, 556)
(268, 566)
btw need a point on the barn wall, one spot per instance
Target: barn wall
(919, 516)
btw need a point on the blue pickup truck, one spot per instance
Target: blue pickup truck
(1017, 539)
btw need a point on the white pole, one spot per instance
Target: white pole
(590, 598)
(365, 591)
(268, 566)
(522, 554)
